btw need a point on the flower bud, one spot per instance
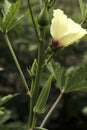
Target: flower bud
(43, 18)
(34, 67)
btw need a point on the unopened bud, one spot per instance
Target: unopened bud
(43, 19)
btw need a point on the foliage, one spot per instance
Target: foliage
(72, 79)
(83, 7)
(5, 114)
(10, 16)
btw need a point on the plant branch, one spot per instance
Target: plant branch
(52, 108)
(35, 87)
(37, 79)
(16, 62)
(31, 108)
(34, 24)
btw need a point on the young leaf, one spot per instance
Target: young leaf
(42, 99)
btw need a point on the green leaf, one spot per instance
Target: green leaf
(58, 73)
(4, 115)
(40, 106)
(10, 18)
(72, 79)
(1, 25)
(83, 7)
(77, 80)
(15, 22)
(5, 99)
(6, 8)
(12, 14)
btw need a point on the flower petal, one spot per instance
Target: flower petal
(59, 21)
(65, 30)
(70, 38)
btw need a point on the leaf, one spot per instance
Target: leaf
(58, 72)
(72, 79)
(83, 7)
(1, 25)
(10, 18)
(6, 8)
(77, 80)
(15, 22)
(4, 115)
(5, 99)
(40, 106)
(12, 14)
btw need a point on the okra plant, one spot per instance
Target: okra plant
(63, 32)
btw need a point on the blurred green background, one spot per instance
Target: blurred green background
(72, 110)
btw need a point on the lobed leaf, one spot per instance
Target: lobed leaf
(72, 79)
(58, 72)
(6, 8)
(10, 17)
(77, 80)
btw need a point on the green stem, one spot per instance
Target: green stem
(52, 108)
(30, 114)
(31, 107)
(16, 62)
(50, 57)
(37, 80)
(35, 87)
(38, 72)
(34, 120)
(34, 24)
